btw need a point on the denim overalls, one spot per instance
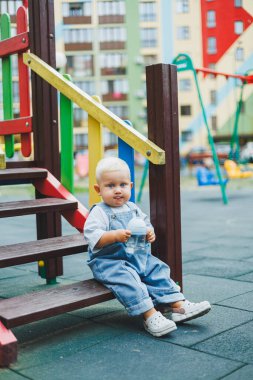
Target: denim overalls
(139, 281)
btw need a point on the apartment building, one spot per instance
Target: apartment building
(106, 45)
(217, 35)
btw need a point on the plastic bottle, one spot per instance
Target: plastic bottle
(137, 240)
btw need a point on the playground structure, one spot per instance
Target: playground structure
(206, 177)
(36, 50)
(184, 63)
(234, 171)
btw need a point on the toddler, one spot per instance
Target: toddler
(139, 280)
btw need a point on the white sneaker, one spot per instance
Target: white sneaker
(158, 325)
(190, 310)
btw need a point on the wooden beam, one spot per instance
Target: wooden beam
(45, 116)
(164, 183)
(127, 133)
(16, 126)
(14, 45)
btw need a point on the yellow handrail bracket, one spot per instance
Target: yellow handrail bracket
(100, 113)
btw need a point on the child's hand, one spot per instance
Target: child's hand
(150, 235)
(122, 235)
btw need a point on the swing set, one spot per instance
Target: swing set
(206, 177)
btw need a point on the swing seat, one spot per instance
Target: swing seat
(234, 171)
(206, 177)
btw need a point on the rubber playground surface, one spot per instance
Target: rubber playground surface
(102, 342)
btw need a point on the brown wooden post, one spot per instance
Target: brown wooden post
(164, 180)
(45, 115)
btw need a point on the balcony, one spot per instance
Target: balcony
(114, 96)
(77, 20)
(112, 45)
(113, 71)
(73, 46)
(111, 19)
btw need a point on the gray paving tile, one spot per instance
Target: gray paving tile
(242, 302)
(8, 374)
(246, 277)
(128, 357)
(222, 251)
(46, 327)
(62, 344)
(199, 288)
(219, 319)
(244, 373)
(236, 344)
(189, 246)
(217, 267)
(10, 273)
(250, 259)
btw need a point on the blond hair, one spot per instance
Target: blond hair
(110, 164)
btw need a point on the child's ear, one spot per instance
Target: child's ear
(97, 188)
(131, 184)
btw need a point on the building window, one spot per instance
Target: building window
(183, 32)
(10, 7)
(238, 3)
(113, 63)
(86, 86)
(182, 6)
(15, 92)
(148, 37)
(109, 8)
(239, 54)
(77, 35)
(76, 9)
(117, 87)
(185, 84)
(238, 27)
(213, 97)
(211, 19)
(112, 34)
(214, 123)
(212, 66)
(80, 65)
(81, 141)
(148, 11)
(211, 45)
(185, 110)
(80, 116)
(186, 136)
(120, 111)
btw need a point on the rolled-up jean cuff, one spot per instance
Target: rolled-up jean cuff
(169, 298)
(140, 308)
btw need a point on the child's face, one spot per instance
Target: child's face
(114, 187)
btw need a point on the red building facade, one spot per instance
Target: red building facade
(222, 24)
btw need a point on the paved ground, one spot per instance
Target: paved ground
(102, 342)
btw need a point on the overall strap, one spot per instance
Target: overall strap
(107, 209)
(133, 207)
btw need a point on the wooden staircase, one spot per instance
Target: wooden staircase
(55, 300)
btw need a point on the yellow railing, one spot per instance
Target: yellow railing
(96, 110)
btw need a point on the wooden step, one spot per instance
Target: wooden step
(35, 206)
(21, 175)
(53, 301)
(22, 253)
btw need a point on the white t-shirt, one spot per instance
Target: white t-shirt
(97, 223)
